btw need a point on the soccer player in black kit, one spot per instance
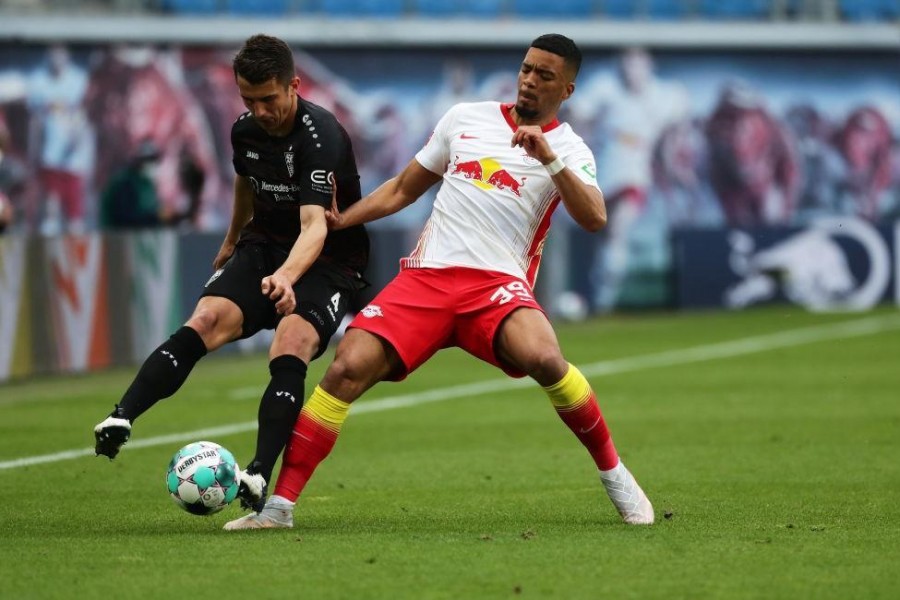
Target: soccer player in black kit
(278, 267)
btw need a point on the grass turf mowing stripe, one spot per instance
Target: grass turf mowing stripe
(739, 347)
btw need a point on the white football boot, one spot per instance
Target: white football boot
(110, 434)
(277, 514)
(627, 496)
(251, 490)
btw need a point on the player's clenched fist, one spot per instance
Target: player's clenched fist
(531, 139)
(279, 288)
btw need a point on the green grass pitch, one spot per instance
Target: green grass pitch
(768, 441)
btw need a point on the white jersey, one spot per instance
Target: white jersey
(494, 205)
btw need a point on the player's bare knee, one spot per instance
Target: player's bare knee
(351, 373)
(215, 326)
(204, 321)
(343, 369)
(546, 365)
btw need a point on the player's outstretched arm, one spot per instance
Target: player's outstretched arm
(584, 202)
(240, 216)
(279, 286)
(390, 197)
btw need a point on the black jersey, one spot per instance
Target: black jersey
(298, 169)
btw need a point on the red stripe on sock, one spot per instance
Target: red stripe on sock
(587, 423)
(309, 445)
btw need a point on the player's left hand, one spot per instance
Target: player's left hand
(333, 214)
(531, 139)
(280, 289)
(333, 217)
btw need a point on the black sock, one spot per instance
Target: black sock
(164, 371)
(278, 411)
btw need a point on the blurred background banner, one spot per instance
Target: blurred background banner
(834, 264)
(681, 138)
(76, 279)
(13, 306)
(155, 298)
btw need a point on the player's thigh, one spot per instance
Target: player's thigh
(526, 341)
(216, 320)
(324, 296)
(486, 300)
(240, 281)
(413, 314)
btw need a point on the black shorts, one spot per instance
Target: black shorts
(323, 293)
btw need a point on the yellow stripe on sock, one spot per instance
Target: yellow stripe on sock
(572, 391)
(326, 410)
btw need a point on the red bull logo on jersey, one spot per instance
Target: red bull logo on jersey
(487, 174)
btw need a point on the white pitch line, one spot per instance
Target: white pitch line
(668, 358)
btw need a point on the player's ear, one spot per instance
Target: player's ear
(570, 89)
(295, 84)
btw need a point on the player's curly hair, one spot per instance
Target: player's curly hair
(561, 46)
(264, 57)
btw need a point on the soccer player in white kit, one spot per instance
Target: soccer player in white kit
(468, 283)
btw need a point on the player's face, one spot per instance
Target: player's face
(272, 105)
(544, 82)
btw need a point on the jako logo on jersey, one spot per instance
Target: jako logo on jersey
(488, 174)
(372, 311)
(252, 154)
(289, 162)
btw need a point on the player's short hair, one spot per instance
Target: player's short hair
(561, 46)
(264, 57)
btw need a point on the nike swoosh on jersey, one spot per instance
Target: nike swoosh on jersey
(466, 136)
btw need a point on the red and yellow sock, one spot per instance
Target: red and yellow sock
(576, 405)
(314, 436)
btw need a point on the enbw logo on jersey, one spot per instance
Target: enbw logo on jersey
(488, 174)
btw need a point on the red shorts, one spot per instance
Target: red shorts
(424, 310)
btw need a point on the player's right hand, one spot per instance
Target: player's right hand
(224, 254)
(279, 288)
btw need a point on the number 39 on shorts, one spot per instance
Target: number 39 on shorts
(511, 291)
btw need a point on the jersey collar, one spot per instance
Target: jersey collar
(507, 107)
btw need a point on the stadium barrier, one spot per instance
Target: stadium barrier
(72, 304)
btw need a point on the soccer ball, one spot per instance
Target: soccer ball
(202, 478)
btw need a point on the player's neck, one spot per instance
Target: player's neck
(540, 120)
